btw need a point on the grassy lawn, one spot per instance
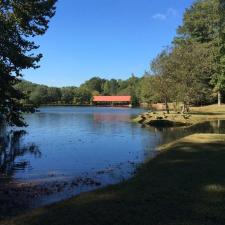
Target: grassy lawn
(210, 110)
(183, 185)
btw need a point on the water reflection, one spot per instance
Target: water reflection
(11, 150)
(82, 143)
(99, 117)
(173, 133)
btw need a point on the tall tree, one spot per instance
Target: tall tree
(94, 84)
(204, 22)
(219, 78)
(20, 21)
(162, 84)
(192, 65)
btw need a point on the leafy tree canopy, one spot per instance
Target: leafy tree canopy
(19, 22)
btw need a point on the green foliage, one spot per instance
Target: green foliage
(40, 94)
(190, 71)
(200, 22)
(204, 23)
(163, 82)
(19, 22)
(194, 68)
(146, 91)
(94, 84)
(67, 95)
(82, 96)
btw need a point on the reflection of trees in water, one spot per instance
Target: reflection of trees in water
(173, 133)
(11, 149)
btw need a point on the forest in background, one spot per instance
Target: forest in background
(191, 70)
(41, 94)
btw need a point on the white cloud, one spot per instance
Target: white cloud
(163, 16)
(159, 16)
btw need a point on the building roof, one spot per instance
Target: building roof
(112, 98)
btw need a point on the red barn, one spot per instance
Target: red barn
(125, 100)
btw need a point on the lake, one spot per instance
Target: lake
(68, 150)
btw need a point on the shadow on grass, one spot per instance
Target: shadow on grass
(185, 186)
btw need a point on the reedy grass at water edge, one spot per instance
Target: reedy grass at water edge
(184, 185)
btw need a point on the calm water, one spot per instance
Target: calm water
(67, 143)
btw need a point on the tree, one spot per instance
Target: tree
(113, 86)
(39, 95)
(20, 21)
(200, 22)
(106, 88)
(204, 22)
(219, 77)
(67, 94)
(94, 84)
(163, 82)
(53, 95)
(192, 65)
(145, 92)
(82, 96)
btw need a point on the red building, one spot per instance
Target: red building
(112, 100)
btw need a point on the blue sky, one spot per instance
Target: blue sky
(106, 38)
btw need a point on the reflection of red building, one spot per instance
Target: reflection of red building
(111, 117)
(112, 100)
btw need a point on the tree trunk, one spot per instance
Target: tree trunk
(167, 107)
(185, 108)
(219, 98)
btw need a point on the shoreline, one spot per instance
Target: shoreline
(178, 182)
(169, 169)
(197, 115)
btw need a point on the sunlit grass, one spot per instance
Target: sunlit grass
(196, 115)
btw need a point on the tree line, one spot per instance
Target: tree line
(191, 70)
(36, 94)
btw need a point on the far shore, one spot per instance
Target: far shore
(89, 105)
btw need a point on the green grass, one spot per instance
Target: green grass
(183, 185)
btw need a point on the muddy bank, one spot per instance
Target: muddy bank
(17, 197)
